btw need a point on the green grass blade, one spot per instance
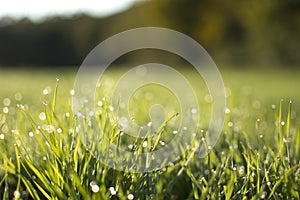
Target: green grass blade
(287, 174)
(54, 100)
(160, 131)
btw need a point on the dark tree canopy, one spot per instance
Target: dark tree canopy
(236, 32)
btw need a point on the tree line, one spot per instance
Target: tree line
(235, 32)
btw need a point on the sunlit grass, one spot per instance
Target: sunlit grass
(48, 152)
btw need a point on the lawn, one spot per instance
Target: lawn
(49, 152)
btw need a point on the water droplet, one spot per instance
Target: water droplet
(44, 158)
(2, 136)
(45, 91)
(47, 145)
(130, 197)
(112, 191)
(130, 146)
(236, 129)
(264, 194)
(177, 114)
(18, 96)
(282, 123)
(59, 130)
(100, 103)
(175, 132)
(111, 108)
(193, 110)
(91, 113)
(273, 106)
(72, 92)
(284, 140)
(6, 102)
(50, 128)
(5, 110)
(145, 144)
(71, 131)
(230, 124)
(162, 143)
(149, 124)
(30, 134)
(227, 110)
(42, 116)
(241, 170)
(95, 188)
(266, 161)
(93, 183)
(17, 194)
(121, 133)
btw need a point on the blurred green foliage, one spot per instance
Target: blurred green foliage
(263, 33)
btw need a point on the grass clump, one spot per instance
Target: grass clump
(52, 153)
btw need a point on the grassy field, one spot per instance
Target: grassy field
(48, 152)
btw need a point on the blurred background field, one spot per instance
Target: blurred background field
(263, 85)
(254, 44)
